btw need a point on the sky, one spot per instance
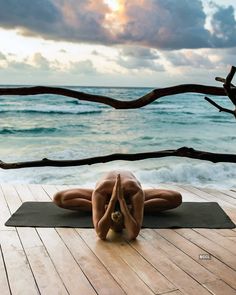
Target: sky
(141, 43)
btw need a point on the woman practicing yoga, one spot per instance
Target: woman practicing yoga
(118, 201)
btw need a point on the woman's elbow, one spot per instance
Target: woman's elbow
(132, 237)
(101, 234)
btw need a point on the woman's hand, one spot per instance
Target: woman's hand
(120, 191)
(115, 191)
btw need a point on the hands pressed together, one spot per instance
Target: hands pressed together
(118, 193)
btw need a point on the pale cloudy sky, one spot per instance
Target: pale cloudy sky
(116, 42)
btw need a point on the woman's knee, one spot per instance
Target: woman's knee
(58, 198)
(177, 198)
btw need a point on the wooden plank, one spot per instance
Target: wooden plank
(151, 277)
(47, 278)
(160, 261)
(38, 192)
(5, 213)
(69, 271)
(207, 196)
(44, 271)
(225, 232)
(21, 279)
(230, 193)
(49, 189)
(11, 197)
(217, 238)
(52, 189)
(93, 268)
(213, 264)
(220, 195)
(119, 269)
(187, 196)
(220, 288)
(23, 192)
(64, 187)
(5, 289)
(182, 260)
(233, 239)
(71, 274)
(11, 242)
(177, 292)
(211, 247)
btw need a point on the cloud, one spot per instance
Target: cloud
(62, 51)
(83, 67)
(41, 62)
(225, 57)
(140, 52)
(189, 58)
(224, 27)
(139, 58)
(2, 56)
(37, 69)
(34, 16)
(68, 20)
(167, 25)
(34, 63)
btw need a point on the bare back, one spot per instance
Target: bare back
(128, 181)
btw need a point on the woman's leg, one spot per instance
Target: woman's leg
(157, 200)
(74, 199)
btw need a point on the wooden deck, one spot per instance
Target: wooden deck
(73, 261)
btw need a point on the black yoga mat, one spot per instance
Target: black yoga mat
(188, 214)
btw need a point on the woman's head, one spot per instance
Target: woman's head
(117, 221)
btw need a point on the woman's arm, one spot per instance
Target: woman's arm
(133, 222)
(101, 217)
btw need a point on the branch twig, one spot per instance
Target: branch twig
(181, 152)
(223, 80)
(220, 108)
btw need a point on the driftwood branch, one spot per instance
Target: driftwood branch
(230, 91)
(181, 152)
(115, 103)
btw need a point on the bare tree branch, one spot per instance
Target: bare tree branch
(181, 152)
(115, 103)
(229, 89)
(230, 76)
(220, 108)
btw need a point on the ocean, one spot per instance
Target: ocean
(57, 127)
